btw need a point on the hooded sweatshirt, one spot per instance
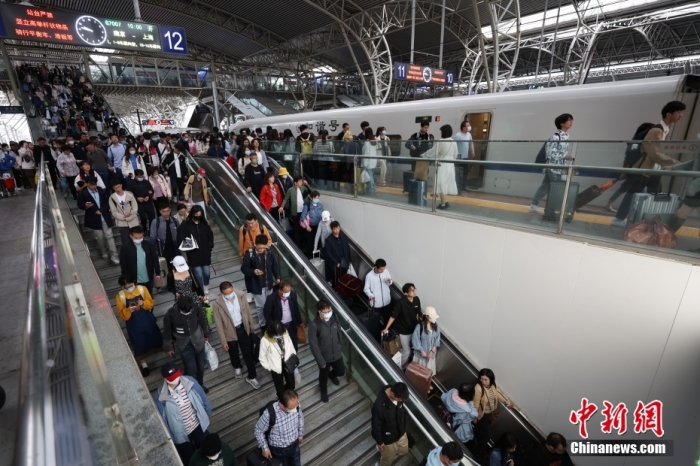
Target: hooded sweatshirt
(324, 230)
(463, 414)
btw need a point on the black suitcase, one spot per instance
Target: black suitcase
(587, 196)
(372, 322)
(459, 177)
(555, 198)
(418, 193)
(407, 177)
(255, 458)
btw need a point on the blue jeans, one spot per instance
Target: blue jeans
(104, 174)
(202, 273)
(289, 456)
(194, 363)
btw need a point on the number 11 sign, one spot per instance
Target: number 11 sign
(173, 40)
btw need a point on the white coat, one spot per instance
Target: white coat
(128, 168)
(369, 149)
(446, 149)
(270, 352)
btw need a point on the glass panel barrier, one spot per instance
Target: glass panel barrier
(500, 182)
(367, 363)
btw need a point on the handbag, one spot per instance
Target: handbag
(301, 334)
(304, 222)
(188, 244)
(494, 414)
(291, 364)
(391, 343)
(285, 224)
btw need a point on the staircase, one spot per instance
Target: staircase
(337, 432)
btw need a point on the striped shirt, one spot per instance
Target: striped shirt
(493, 402)
(189, 416)
(288, 428)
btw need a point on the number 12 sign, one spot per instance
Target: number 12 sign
(173, 40)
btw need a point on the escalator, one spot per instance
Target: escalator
(337, 432)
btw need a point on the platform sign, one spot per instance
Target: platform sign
(11, 110)
(157, 122)
(26, 22)
(173, 40)
(423, 74)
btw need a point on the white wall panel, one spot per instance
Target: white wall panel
(383, 226)
(537, 280)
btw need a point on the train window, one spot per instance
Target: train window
(395, 144)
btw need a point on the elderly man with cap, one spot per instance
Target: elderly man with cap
(213, 453)
(185, 410)
(196, 190)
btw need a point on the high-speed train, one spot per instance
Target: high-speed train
(602, 112)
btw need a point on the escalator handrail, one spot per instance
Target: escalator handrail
(349, 316)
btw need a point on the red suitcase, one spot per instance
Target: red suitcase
(9, 183)
(420, 377)
(348, 286)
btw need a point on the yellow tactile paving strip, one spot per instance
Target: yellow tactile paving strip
(579, 217)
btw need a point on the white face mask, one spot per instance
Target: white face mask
(175, 382)
(199, 177)
(132, 152)
(247, 152)
(217, 455)
(253, 161)
(287, 294)
(327, 316)
(130, 288)
(229, 296)
(395, 402)
(137, 241)
(284, 177)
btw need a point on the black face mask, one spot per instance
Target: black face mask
(197, 218)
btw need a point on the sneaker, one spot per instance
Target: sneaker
(324, 397)
(145, 371)
(206, 290)
(14, 193)
(237, 373)
(253, 383)
(440, 207)
(535, 209)
(447, 205)
(610, 208)
(114, 260)
(335, 380)
(105, 255)
(616, 222)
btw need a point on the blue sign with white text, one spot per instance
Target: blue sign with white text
(173, 40)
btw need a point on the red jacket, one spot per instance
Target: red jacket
(231, 162)
(266, 197)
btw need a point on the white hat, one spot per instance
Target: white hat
(325, 216)
(180, 264)
(430, 312)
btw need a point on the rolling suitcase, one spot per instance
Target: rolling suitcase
(372, 322)
(418, 192)
(348, 286)
(255, 458)
(587, 196)
(407, 177)
(9, 183)
(459, 177)
(420, 377)
(319, 264)
(555, 198)
(646, 206)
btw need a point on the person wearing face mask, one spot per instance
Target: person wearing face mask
(234, 322)
(185, 409)
(94, 202)
(382, 150)
(310, 218)
(175, 164)
(138, 259)
(124, 209)
(271, 196)
(213, 453)
(99, 160)
(450, 454)
(116, 153)
(283, 306)
(280, 430)
(323, 231)
(405, 316)
(185, 328)
(243, 156)
(276, 346)
(465, 148)
(389, 420)
(131, 162)
(196, 190)
(254, 177)
(502, 453)
(199, 259)
(285, 181)
(142, 189)
(326, 343)
(262, 273)
(191, 143)
(216, 150)
(135, 306)
(426, 340)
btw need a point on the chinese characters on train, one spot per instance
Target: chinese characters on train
(646, 417)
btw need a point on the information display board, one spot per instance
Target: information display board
(157, 122)
(423, 74)
(26, 22)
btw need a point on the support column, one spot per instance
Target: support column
(442, 31)
(413, 28)
(11, 72)
(137, 11)
(215, 96)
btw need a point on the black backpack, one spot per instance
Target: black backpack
(633, 153)
(542, 154)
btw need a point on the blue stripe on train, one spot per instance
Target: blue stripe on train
(592, 174)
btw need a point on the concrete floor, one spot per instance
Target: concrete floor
(16, 214)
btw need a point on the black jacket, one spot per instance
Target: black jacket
(169, 164)
(273, 308)
(325, 340)
(42, 154)
(142, 189)
(268, 263)
(336, 251)
(254, 178)
(92, 220)
(204, 237)
(128, 258)
(388, 419)
(406, 315)
(421, 142)
(184, 329)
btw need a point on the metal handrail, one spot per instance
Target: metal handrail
(35, 429)
(358, 330)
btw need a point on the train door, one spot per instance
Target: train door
(481, 127)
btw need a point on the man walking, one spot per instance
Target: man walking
(261, 273)
(163, 234)
(280, 430)
(283, 306)
(234, 323)
(115, 153)
(378, 288)
(93, 201)
(389, 422)
(404, 319)
(326, 344)
(139, 260)
(557, 151)
(186, 325)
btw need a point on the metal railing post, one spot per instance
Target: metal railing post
(560, 225)
(354, 177)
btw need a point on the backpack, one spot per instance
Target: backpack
(542, 154)
(633, 153)
(122, 295)
(448, 419)
(270, 408)
(307, 147)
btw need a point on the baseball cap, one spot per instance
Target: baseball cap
(180, 264)
(325, 216)
(201, 171)
(170, 371)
